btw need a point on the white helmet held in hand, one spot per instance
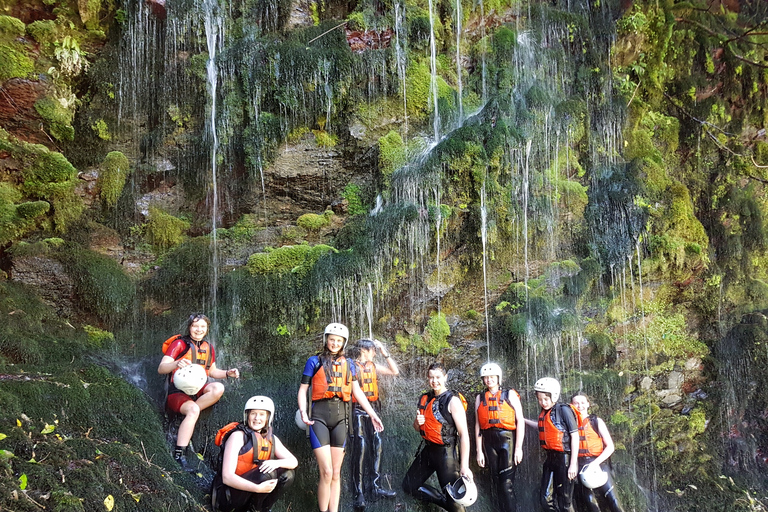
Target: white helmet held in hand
(463, 491)
(592, 476)
(548, 385)
(299, 422)
(338, 330)
(261, 403)
(491, 369)
(190, 379)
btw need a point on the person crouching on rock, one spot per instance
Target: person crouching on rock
(256, 468)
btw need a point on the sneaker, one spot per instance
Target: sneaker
(181, 459)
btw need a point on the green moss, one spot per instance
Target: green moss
(14, 62)
(101, 285)
(44, 32)
(163, 230)
(58, 119)
(392, 153)
(297, 259)
(315, 222)
(102, 130)
(325, 139)
(16, 220)
(98, 338)
(355, 205)
(436, 333)
(11, 28)
(112, 176)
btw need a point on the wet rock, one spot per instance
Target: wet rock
(48, 277)
(362, 40)
(87, 188)
(676, 381)
(158, 8)
(646, 383)
(17, 110)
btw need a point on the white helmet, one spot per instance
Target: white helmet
(299, 422)
(338, 330)
(190, 379)
(261, 403)
(491, 369)
(463, 491)
(548, 385)
(592, 476)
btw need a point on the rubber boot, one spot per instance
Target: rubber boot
(358, 467)
(378, 491)
(431, 495)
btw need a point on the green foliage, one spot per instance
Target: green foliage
(112, 176)
(392, 153)
(313, 221)
(58, 119)
(98, 338)
(324, 139)
(355, 205)
(14, 62)
(102, 130)
(242, 231)
(163, 230)
(296, 259)
(16, 220)
(101, 285)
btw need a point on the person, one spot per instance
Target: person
(334, 383)
(498, 439)
(256, 468)
(366, 442)
(441, 421)
(595, 447)
(192, 348)
(558, 437)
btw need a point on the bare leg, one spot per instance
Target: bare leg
(337, 458)
(324, 464)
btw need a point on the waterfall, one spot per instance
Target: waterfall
(401, 52)
(484, 238)
(214, 34)
(433, 80)
(459, 15)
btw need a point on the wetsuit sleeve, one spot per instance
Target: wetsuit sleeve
(310, 368)
(176, 348)
(569, 419)
(353, 369)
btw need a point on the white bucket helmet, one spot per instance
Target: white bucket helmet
(261, 403)
(592, 476)
(548, 385)
(489, 369)
(338, 330)
(463, 491)
(190, 379)
(299, 422)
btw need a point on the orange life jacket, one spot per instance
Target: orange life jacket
(248, 457)
(338, 384)
(369, 382)
(192, 353)
(495, 412)
(590, 441)
(438, 427)
(553, 433)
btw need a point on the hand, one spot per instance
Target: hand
(305, 418)
(267, 466)
(467, 473)
(380, 346)
(573, 471)
(480, 458)
(420, 419)
(377, 424)
(518, 456)
(181, 363)
(234, 373)
(266, 487)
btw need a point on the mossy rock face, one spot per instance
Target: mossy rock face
(58, 119)
(114, 172)
(298, 259)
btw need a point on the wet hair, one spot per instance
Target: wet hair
(365, 344)
(437, 365)
(194, 317)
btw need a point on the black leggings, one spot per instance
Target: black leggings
(601, 498)
(556, 489)
(432, 458)
(499, 451)
(229, 499)
(330, 428)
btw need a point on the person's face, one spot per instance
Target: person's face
(436, 379)
(491, 381)
(545, 401)
(334, 343)
(581, 403)
(198, 329)
(257, 419)
(367, 354)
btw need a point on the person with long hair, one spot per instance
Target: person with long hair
(595, 448)
(187, 350)
(334, 382)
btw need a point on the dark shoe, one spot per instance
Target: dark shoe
(360, 501)
(181, 460)
(384, 493)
